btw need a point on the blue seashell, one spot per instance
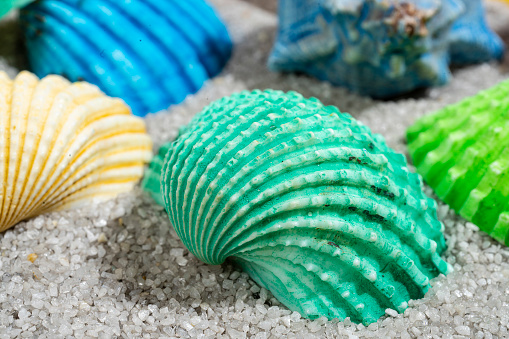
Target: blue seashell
(150, 53)
(471, 39)
(381, 48)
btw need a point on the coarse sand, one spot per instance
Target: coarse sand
(118, 269)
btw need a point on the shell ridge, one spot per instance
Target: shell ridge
(422, 138)
(135, 62)
(210, 237)
(241, 178)
(60, 14)
(195, 76)
(200, 21)
(305, 286)
(160, 64)
(43, 98)
(221, 140)
(45, 61)
(54, 121)
(128, 52)
(446, 151)
(291, 124)
(486, 192)
(288, 280)
(24, 86)
(70, 58)
(269, 184)
(57, 178)
(264, 275)
(358, 205)
(55, 146)
(350, 232)
(243, 159)
(191, 141)
(94, 161)
(116, 174)
(67, 58)
(70, 101)
(455, 182)
(273, 190)
(349, 265)
(199, 74)
(6, 96)
(193, 34)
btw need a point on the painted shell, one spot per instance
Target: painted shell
(150, 53)
(381, 48)
(306, 200)
(462, 153)
(7, 5)
(151, 182)
(471, 39)
(62, 145)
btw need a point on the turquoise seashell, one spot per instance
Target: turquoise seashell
(7, 5)
(152, 178)
(305, 199)
(150, 53)
(382, 48)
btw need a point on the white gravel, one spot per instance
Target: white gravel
(118, 269)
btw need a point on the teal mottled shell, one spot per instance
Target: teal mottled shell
(308, 201)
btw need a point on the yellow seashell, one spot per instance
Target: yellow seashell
(63, 144)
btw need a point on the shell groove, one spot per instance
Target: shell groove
(382, 48)
(62, 145)
(150, 53)
(462, 153)
(306, 200)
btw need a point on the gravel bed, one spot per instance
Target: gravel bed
(118, 269)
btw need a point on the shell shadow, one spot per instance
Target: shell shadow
(504, 35)
(12, 47)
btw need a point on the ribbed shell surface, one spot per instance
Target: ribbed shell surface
(462, 152)
(62, 145)
(150, 53)
(382, 48)
(308, 201)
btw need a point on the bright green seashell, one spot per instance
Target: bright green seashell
(307, 200)
(462, 152)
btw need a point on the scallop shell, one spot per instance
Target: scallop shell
(462, 153)
(306, 200)
(381, 48)
(150, 53)
(63, 145)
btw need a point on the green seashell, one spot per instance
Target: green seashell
(7, 5)
(151, 182)
(307, 200)
(462, 152)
